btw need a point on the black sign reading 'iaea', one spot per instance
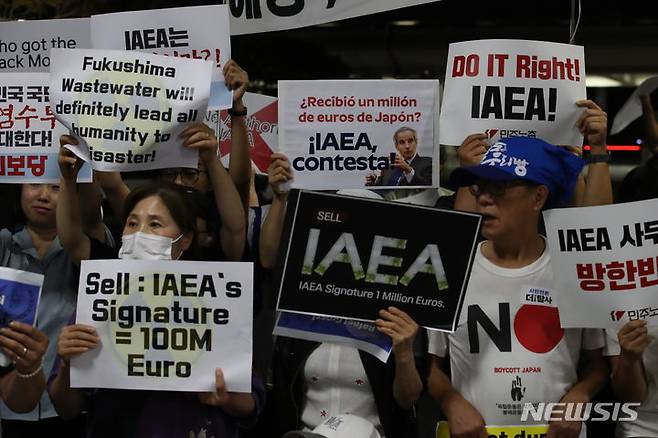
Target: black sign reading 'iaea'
(350, 257)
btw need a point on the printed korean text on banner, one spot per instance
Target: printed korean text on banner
(29, 132)
(129, 107)
(507, 88)
(25, 45)
(262, 129)
(357, 334)
(254, 16)
(632, 108)
(352, 134)
(607, 260)
(19, 299)
(165, 325)
(198, 32)
(342, 259)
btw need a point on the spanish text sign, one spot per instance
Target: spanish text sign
(25, 45)
(343, 259)
(129, 107)
(165, 325)
(508, 88)
(29, 132)
(607, 261)
(197, 32)
(352, 134)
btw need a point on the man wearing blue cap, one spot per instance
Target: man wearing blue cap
(509, 353)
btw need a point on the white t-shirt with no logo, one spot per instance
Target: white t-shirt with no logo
(646, 424)
(509, 348)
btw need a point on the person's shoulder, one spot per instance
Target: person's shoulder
(5, 239)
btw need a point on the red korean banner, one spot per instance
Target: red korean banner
(605, 261)
(29, 133)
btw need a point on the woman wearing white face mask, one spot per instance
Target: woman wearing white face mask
(158, 225)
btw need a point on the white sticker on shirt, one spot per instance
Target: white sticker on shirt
(537, 296)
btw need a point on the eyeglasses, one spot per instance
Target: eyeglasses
(497, 188)
(187, 176)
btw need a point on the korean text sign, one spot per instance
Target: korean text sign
(29, 132)
(606, 263)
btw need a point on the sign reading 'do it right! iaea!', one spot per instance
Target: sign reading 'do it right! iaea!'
(507, 88)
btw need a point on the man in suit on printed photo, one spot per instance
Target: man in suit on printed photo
(409, 168)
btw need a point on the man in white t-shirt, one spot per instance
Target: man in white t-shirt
(509, 349)
(634, 361)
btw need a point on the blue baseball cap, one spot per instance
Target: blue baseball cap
(529, 159)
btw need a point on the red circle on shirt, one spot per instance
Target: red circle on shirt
(538, 328)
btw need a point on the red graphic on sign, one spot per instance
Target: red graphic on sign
(260, 151)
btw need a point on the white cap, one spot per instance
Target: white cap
(340, 426)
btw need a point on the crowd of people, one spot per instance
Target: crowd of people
(213, 213)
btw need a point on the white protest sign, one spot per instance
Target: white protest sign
(262, 129)
(29, 132)
(254, 16)
(25, 45)
(508, 88)
(129, 107)
(632, 108)
(165, 325)
(605, 261)
(340, 134)
(198, 32)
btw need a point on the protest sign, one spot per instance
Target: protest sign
(262, 130)
(632, 108)
(19, 299)
(254, 16)
(19, 296)
(352, 333)
(197, 32)
(165, 325)
(343, 260)
(350, 134)
(508, 88)
(29, 132)
(25, 45)
(129, 107)
(606, 263)
(521, 431)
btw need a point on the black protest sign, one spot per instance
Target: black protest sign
(350, 257)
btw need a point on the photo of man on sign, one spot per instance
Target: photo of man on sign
(408, 168)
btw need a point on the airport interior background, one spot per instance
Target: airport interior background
(620, 40)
